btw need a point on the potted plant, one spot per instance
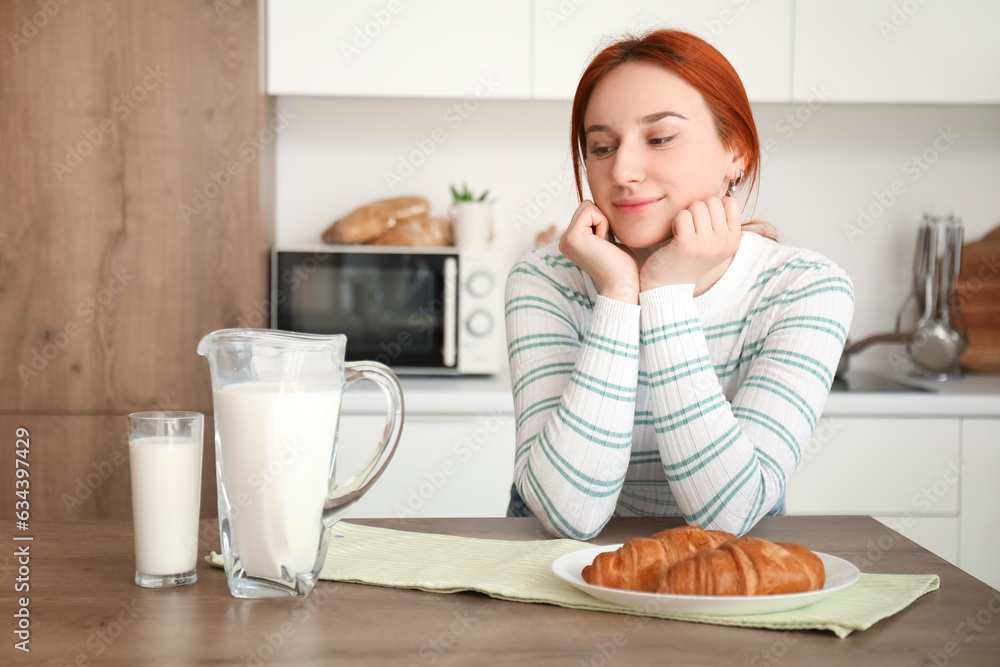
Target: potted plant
(471, 218)
(467, 195)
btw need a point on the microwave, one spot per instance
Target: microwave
(421, 311)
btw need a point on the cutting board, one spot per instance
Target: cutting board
(979, 301)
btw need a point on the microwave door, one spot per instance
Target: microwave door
(391, 306)
(426, 311)
(404, 312)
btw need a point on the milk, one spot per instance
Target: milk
(277, 444)
(166, 498)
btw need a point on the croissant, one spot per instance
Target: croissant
(641, 562)
(746, 566)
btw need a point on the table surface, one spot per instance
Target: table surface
(85, 609)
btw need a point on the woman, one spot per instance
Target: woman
(664, 360)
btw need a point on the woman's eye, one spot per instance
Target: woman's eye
(659, 141)
(601, 150)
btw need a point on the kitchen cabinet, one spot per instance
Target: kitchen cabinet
(755, 37)
(909, 51)
(979, 543)
(879, 467)
(855, 51)
(904, 472)
(444, 466)
(526, 49)
(932, 479)
(375, 48)
(136, 171)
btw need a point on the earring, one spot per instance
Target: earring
(735, 183)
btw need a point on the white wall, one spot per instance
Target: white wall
(823, 163)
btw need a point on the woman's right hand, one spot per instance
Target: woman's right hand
(585, 243)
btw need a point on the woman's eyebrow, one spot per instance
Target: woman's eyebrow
(597, 128)
(659, 115)
(644, 120)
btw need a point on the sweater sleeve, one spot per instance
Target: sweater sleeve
(574, 387)
(727, 463)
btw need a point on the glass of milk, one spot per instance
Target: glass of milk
(165, 461)
(276, 396)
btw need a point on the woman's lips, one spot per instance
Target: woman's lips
(633, 206)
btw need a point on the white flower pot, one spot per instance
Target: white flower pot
(473, 224)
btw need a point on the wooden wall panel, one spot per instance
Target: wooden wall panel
(127, 238)
(79, 468)
(132, 172)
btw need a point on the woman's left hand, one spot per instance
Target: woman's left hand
(705, 239)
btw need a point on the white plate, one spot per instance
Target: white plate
(839, 575)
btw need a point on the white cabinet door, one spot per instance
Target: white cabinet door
(398, 48)
(980, 531)
(444, 466)
(885, 467)
(898, 50)
(756, 38)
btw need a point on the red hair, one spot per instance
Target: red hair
(699, 64)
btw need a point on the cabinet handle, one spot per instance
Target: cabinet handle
(449, 350)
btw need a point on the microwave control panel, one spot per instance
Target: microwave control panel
(480, 314)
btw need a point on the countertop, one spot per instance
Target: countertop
(972, 396)
(438, 395)
(85, 610)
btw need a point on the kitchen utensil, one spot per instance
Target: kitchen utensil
(919, 271)
(938, 339)
(843, 366)
(277, 398)
(937, 342)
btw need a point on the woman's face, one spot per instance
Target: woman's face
(652, 151)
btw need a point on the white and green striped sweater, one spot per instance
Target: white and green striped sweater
(681, 405)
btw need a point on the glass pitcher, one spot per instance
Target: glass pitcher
(277, 399)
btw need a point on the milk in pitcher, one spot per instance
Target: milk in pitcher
(277, 443)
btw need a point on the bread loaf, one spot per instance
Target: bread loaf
(367, 223)
(546, 236)
(417, 232)
(746, 566)
(640, 563)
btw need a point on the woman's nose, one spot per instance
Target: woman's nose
(628, 166)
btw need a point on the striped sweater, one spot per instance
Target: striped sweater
(678, 406)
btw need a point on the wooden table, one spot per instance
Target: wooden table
(85, 609)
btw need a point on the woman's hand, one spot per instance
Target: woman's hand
(585, 243)
(705, 240)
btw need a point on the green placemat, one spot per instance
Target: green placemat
(521, 571)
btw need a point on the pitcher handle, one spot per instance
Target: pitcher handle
(346, 494)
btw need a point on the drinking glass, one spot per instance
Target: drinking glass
(165, 461)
